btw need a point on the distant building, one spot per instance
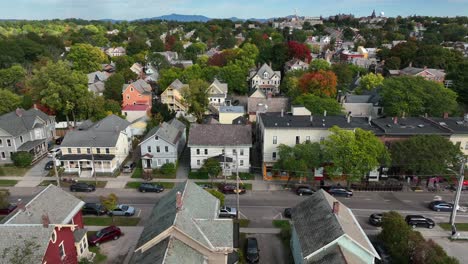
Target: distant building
(265, 79)
(96, 82)
(116, 52)
(427, 73)
(173, 98)
(295, 64)
(217, 93)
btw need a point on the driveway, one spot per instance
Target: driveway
(38, 169)
(120, 251)
(272, 250)
(183, 167)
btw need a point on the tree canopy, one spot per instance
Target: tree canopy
(10, 101)
(299, 160)
(86, 58)
(317, 105)
(196, 96)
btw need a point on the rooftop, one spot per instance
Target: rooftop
(136, 107)
(231, 109)
(409, 126)
(20, 121)
(220, 135)
(170, 132)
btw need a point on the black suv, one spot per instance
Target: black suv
(93, 208)
(251, 249)
(149, 187)
(82, 187)
(375, 219)
(419, 220)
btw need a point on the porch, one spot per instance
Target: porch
(84, 167)
(38, 148)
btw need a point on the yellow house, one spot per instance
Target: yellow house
(228, 113)
(173, 98)
(363, 51)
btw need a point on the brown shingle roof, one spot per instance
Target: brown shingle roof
(220, 135)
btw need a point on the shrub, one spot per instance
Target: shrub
(218, 195)
(168, 169)
(22, 158)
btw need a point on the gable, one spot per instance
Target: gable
(425, 73)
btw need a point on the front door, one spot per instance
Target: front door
(148, 164)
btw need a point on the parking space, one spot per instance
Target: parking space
(118, 250)
(38, 169)
(271, 248)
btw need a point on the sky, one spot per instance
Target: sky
(135, 9)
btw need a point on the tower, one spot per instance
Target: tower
(373, 14)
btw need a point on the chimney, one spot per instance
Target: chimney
(45, 221)
(179, 201)
(282, 112)
(35, 106)
(348, 119)
(410, 64)
(19, 112)
(270, 64)
(395, 120)
(21, 206)
(325, 113)
(336, 207)
(425, 67)
(369, 119)
(446, 115)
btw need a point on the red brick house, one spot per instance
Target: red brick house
(51, 225)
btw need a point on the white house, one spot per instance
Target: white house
(217, 93)
(227, 143)
(163, 144)
(115, 52)
(265, 79)
(134, 112)
(295, 64)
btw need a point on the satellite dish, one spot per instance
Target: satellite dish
(382, 13)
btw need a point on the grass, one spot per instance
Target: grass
(99, 258)
(246, 176)
(107, 221)
(159, 175)
(198, 175)
(8, 183)
(282, 224)
(248, 186)
(135, 185)
(243, 222)
(285, 236)
(460, 226)
(10, 170)
(100, 184)
(137, 173)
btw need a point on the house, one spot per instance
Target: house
(52, 223)
(137, 111)
(363, 105)
(184, 227)
(427, 73)
(138, 127)
(217, 93)
(227, 143)
(25, 130)
(258, 103)
(96, 82)
(227, 114)
(115, 52)
(265, 79)
(173, 98)
(295, 64)
(99, 147)
(163, 144)
(137, 93)
(137, 68)
(458, 127)
(108, 67)
(326, 231)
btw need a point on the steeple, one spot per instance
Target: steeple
(373, 14)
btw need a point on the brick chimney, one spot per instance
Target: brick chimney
(45, 221)
(336, 207)
(395, 120)
(19, 112)
(20, 205)
(446, 115)
(179, 202)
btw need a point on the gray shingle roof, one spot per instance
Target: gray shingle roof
(221, 86)
(97, 76)
(170, 132)
(220, 135)
(266, 68)
(27, 146)
(231, 109)
(275, 104)
(19, 237)
(16, 125)
(177, 85)
(456, 125)
(409, 126)
(97, 87)
(103, 133)
(140, 85)
(59, 205)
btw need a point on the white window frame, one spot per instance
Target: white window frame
(62, 246)
(8, 142)
(275, 140)
(148, 148)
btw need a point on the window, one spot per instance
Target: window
(62, 250)
(206, 151)
(69, 151)
(159, 162)
(8, 142)
(128, 97)
(1, 142)
(3, 155)
(198, 151)
(167, 161)
(298, 139)
(198, 162)
(98, 150)
(88, 150)
(78, 150)
(275, 140)
(149, 148)
(156, 138)
(274, 155)
(125, 113)
(131, 89)
(166, 148)
(158, 149)
(234, 151)
(241, 163)
(308, 138)
(107, 150)
(21, 139)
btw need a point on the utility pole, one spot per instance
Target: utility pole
(55, 170)
(237, 184)
(457, 197)
(92, 161)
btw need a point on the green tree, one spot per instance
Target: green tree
(196, 96)
(4, 198)
(414, 96)
(136, 45)
(21, 158)
(392, 63)
(157, 45)
(319, 64)
(110, 202)
(353, 154)
(369, 82)
(86, 58)
(234, 75)
(158, 61)
(168, 168)
(344, 75)
(425, 155)
(395, 236)
(212, 167)
(226, 39)
(11, 77)
(317, 105)
(113, 87)
(10, 101)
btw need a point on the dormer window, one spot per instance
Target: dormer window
(265, 75)
(156, 138)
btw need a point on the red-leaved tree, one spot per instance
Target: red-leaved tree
(170, 41)
(321, 83)
(222, 59)
(299, 51)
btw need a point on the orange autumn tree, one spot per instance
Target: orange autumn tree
(321, 83)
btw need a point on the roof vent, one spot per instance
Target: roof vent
(276, 124)
(445, 124)
(458, 123)
(421, 126)
(287, 124)
(388, 125)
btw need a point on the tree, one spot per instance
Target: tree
(86, 58)
(226, 40)
(344, 75)
(110, 202)
(4, 198)
(319, 64)
(395, 236)
(113, 87)
(168, 168)
(369, 82)
(353, 154)
(392, 63)
(414, 96)
(317, 105)
(299, 50)
(157, 45)
(212, 167)
(10, 101)
(21, 158)
(136, 45)
(11, 78)
(196, 96)
(234, 76)
(425, 155)
(321, 83)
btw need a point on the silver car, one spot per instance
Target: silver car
(122, 210)
(227, 212)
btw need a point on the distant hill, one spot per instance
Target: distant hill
(197, 18)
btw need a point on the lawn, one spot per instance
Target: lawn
(8, 183)
(99, 258)
(198, 175)
(159, 175)
(282, 224)
(243, 222)
(107, 221)
(100, 184)
(138, 172)
(460, 226)
(285, 236)
(135, 185)
(10, 170)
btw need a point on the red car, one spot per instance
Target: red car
(7, 210)
(103, 235)
(227, 188)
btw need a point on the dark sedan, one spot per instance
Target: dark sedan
(287, 212)
(375, 219)
(251, 249)
(8, 209)
(49, 165)
(304, 191)
(340, 192)
(105, 234)
(82, 187)
(149, 187)
(93, 208)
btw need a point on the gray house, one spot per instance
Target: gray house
(23, 130)
(163, 144)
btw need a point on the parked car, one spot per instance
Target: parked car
(228, 188)
(8, 209)
(338, 191)
(206, 186)
(150, 187)
(251, 250)
(287, 212)
(419, 220)
(376, 219)
(227, 212)
(49, 165)
(58, 141)
(128, 167)
(441, 206)
(304, 191)
(122, 210)
(54, 152)
(82, 187)
(103, 235)
(93, 208)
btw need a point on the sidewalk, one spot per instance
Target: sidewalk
(260, 230)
